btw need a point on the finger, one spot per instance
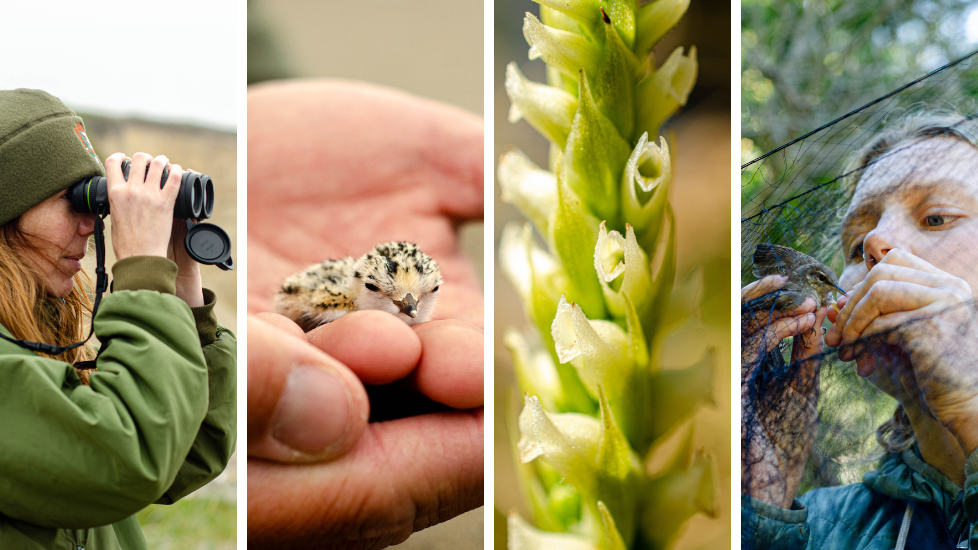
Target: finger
(790, 326)
(885, 297)
(835, 307)
(113, 170)
(137, 168)
(809, 343)
(880, 273)
(302, 404)
(171, 187)
(903, 258)
(807, 305)
(761, 287)
(883, 353)
(283, 323)
(155, 173)
(378, 347)
(403, 475)
(451, 368)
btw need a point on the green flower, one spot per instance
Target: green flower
(597, 283)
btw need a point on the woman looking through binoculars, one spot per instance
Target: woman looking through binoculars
(85, 449)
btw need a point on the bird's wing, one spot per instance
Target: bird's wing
(770, 259)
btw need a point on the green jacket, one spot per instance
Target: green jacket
(865, 515)
(156, 423)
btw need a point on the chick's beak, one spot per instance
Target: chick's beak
(408, 306)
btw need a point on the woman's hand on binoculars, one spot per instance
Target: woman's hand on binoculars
(142, 213)
(190, 289)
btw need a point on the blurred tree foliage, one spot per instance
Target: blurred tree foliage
(804, 63)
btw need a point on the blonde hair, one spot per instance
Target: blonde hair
(913, 128)
(29, 313)
(896, 434)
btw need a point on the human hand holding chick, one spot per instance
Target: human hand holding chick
(334, 169)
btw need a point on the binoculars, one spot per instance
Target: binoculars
(206, 243)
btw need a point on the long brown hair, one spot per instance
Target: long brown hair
(29, 312)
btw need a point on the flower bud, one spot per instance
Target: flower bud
(614, 79)
(567, 51)
(654, 20)
(532, 189)
(616, 256)
(645, 189)
(677, 392)
(568, 442)
(594, 158)
(535, 370)
(549, 110)
(523, 536)
(664, 91)
(687, 488)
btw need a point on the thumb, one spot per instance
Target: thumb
(303, 405)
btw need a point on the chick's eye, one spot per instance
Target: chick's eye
(436, 288)
(372, 287)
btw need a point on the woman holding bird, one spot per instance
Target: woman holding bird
(908, 320)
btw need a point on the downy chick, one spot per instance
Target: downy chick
(395, 277)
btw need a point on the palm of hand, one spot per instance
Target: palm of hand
(334, 178)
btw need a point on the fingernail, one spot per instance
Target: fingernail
(313, 412)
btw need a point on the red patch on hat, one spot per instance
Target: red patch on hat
(80, 132)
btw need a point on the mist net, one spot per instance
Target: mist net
(885, 195)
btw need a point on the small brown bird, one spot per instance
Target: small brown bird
(807, 278)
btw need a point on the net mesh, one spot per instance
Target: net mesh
(911, 150)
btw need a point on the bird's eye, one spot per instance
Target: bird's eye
(372, 287)
(436, 288)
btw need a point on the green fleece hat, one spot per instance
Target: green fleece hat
(43, 150)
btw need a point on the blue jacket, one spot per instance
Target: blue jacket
(868, 515)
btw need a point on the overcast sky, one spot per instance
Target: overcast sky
(169, 61)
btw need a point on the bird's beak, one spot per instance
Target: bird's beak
(408, 306)
(839, 288)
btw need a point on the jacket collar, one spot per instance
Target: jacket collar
(905, 476)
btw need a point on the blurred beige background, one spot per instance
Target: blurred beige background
(431, 49)
(701, 200)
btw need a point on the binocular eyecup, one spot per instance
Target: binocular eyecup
(195, 199)
(206, 243)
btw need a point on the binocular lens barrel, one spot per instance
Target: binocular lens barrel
(195, 200)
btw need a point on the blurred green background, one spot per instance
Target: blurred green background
(701, 199)
(805, 63)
